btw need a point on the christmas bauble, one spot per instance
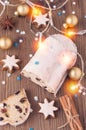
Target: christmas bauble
(75, 73)
(72, 20)
(5, 43)
(23, 10)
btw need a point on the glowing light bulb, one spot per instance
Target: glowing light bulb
(36, 12)
(67, 59)
(38, 44)
(41, 45)
(70, 33)
(71, 86)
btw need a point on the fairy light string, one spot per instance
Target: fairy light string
(50, 9)
(43, 7)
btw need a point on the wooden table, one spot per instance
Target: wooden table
(12, 85)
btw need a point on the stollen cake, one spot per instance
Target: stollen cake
(49, 65)
(15, 109)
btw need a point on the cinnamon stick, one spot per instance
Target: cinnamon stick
(71, 113)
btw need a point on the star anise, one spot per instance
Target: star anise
(7, 23)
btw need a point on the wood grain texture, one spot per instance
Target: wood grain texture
(12, 85)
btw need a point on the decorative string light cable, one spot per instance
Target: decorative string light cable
(40, 6)
(78, 85)
(82, 89)
(31, 4)
(49, 8)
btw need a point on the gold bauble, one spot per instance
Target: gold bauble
(23, 10)
(72, 20)
(5, 43)
(75, 73)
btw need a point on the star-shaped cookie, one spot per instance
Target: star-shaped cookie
(41, 19)
(10, 63)
(47, 108)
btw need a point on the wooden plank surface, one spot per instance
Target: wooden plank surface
(12, 85)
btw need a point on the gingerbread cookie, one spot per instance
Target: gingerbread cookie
(10, 63)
